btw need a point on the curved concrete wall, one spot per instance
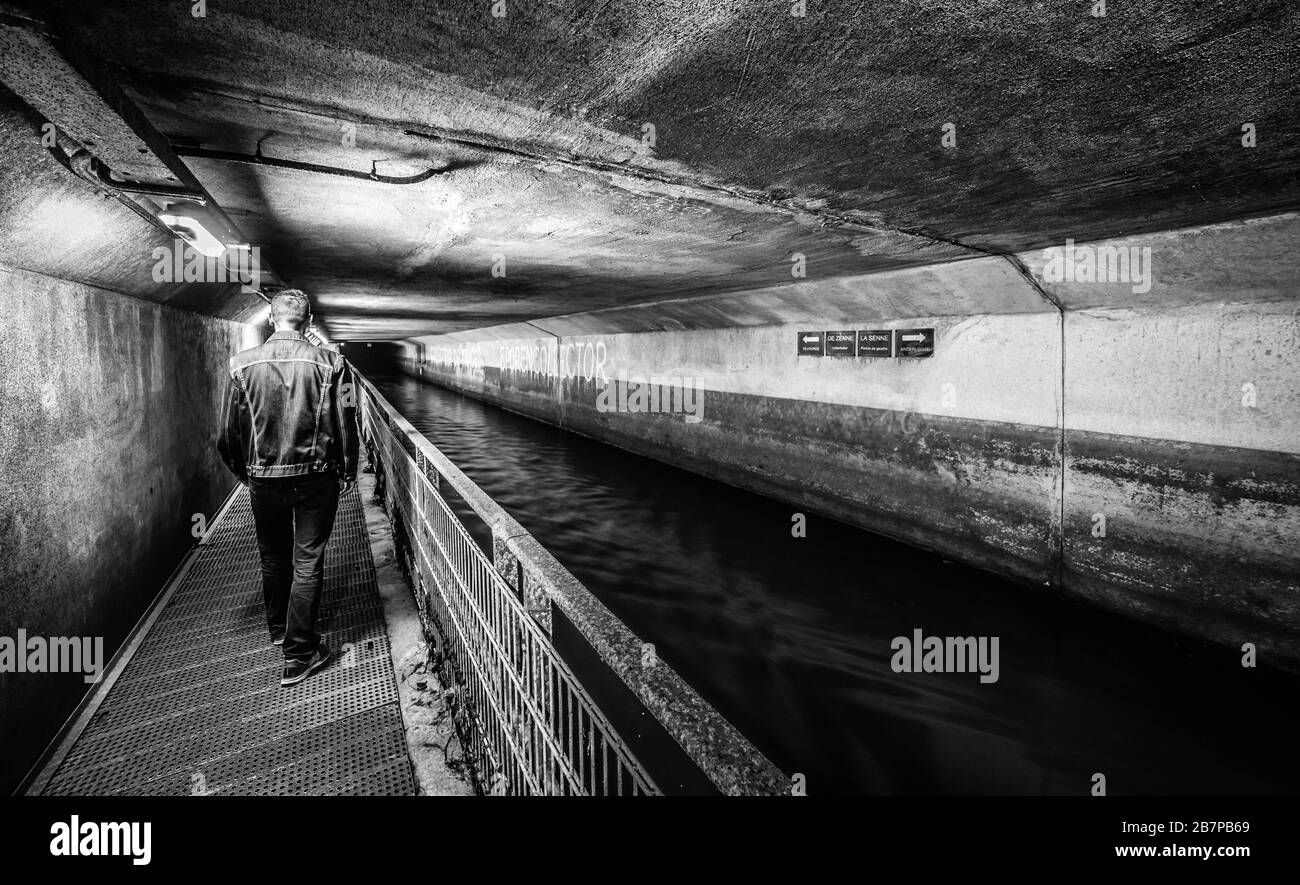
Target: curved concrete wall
(1136, 448)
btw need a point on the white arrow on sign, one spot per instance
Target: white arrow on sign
(810, 339)
(913, 337)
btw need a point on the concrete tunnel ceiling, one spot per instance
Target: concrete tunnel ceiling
(774, 135)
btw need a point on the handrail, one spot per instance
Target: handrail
(714, 745)
(528, 723)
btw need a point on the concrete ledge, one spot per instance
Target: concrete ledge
(722, 753)
(730, 762)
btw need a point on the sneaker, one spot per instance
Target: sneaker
(297, 671)
(277, 638)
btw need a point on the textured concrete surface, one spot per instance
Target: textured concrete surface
(1242, 262)
(1182, 431)
(933, 452)
(1169, 409)
(55, 223)
(774, 134)
(1176, 422)
(110, 406)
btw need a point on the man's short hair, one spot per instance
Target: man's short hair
(291, 308)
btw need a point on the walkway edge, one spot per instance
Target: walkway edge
(39, 776)
(427, 723)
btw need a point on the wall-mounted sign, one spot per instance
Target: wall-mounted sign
(914, 342)
(875, 342)
(841, 343)
(868, 342)
(810, 344)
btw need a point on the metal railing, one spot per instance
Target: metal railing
(530, 726)
(535, 729)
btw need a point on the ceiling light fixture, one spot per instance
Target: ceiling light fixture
(193, 232)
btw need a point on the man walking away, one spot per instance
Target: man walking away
(290, 435)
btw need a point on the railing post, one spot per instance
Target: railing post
(526, 587)
(425, 466)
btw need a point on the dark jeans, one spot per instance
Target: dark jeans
(294, 517)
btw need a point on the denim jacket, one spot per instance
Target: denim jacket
(290, 410)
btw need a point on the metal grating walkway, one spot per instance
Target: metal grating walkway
(199, 709)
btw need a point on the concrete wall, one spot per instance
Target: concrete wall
(1182, 430)
(109, 407)
(1046, 403)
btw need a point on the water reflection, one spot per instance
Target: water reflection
(790, 638)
